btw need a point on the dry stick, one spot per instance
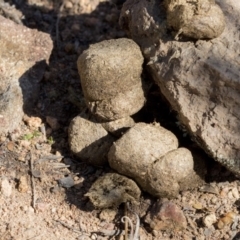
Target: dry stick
(126, 218)
(111, 233)
(57, 23)
(136, 233)
(126, 222)
(32, 180)
(71, 228)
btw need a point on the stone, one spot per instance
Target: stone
(138, 148)
(53, 122)
(66, 182)
(226, 220)
(110, 73)
(24, 53)
(108, 215)
(6, 187)
(89, 141)
(209, 220)
(34, 123)
(165, 215)
(112, 189)
(23, 184)
(235, 193)
(200, 79)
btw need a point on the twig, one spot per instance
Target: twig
(32, 180)
(126, 222)
(124, 219)
(136, 233)
(43, 130)
(111, 233)
(59, 165)
(34, 237)
(57, 22)
(49, 157)
(71, 228)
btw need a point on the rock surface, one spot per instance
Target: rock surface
(112, 189)
(110, 74)
(200, 79)
(89, 141)
(23, 56)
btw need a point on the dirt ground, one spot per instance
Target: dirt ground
(43, 184)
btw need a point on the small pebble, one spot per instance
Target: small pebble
(108, 215)
(165, 216)
(208, 232)
(2, 139)
(75, 27)
(10, 146)
(78, 184)
(6, 187)
(230, 195)
(214, 200)
(66, 182)
(226, 220)
(209, 220)
(25, 144)
(21, 158)
(68, 161)
(94, 236)
(235, 193)
(33, 122)
(155, 233)
(52, 122)
(208, 189)
(197, 205)
(224, 192)
(23, 184)
(68, 5)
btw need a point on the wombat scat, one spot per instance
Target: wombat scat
(195, 19)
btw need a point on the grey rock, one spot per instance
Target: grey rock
(165, 215)
(23, 56)
(200, 79)
(66, 182)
